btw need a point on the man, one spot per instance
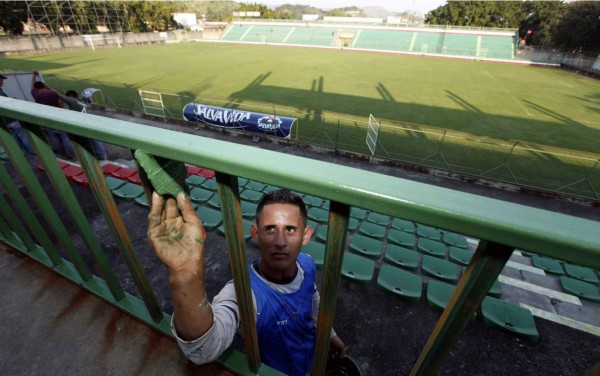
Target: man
(285, 297)
(14, 127)
(70, 98)
(44, 95)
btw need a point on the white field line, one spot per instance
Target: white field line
(509, 93)
(588, 328)
(539, 290)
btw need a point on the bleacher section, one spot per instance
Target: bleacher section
(462, 44)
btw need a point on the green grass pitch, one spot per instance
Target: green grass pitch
(479, 100)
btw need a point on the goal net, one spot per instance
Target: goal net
(372, 134)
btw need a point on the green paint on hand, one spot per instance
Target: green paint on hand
(167, 176)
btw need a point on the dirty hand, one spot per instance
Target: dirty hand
(337, 348)
(177, 236)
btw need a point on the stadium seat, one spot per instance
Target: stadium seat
(549, 265)
(207, 173)
(401, 238)
(123, 173)
(200, 195)
(584, 290)
(109, 168)
(366, 246)
(403, 225)
(380, 219)
(460, 255)
(316, 251)
(135, 179)
(400, 283)
(432, 248)
(322, 234)
(358, 213)
(270, 188)
(251, 195)
(195, 180)
(214, 202)
(114, 183)
(438, 294)
(71, 171)
(242, 182)
(428, 232)
(455, 240)
(128, 191)
(193, 170)
(318, 215)
(81, 179)
(210, 184)
(211, 218)
(372, 230)
(438, 268)
(509, 317)
(357, 268)
(400, 256)
(245, 223)
(248, 210)
(582, 273)
(352, 224)
(255, 185)
(312, 201)
(62, 164)
(142, 201)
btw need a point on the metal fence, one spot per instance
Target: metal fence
(568, 172)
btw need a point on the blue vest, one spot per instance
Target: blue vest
(286, 333)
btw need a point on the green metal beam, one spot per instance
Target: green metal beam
(9, 216)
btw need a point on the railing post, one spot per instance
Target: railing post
(229, 197)
(334, 255)
(478, 278)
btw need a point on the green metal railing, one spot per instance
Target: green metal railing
(501, 226)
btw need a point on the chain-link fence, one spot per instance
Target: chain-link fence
(544, 167)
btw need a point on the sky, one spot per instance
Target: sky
(419, 6)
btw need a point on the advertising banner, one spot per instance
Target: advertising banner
(279, 126)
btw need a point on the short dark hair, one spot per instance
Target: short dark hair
(39, 85)
(282, 196)
(71, 93)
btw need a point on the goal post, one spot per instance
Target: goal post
(372, 134)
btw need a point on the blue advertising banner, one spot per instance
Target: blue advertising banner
(279, 126)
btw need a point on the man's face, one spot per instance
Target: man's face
(280, 235)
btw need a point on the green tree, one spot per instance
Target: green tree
(144, 16)
(540, 19)
(265, 12)
(579, 27)
(12, 16)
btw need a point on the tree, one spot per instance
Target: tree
(12, 16)
(264, 11)
(540, 19)
(146, 16)
(579, 27)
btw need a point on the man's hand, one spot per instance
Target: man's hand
(177, 239)
(337, 348)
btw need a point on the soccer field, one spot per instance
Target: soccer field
(545, 106)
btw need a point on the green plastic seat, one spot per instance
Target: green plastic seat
(322, 234)
(401, 238)
(358, 213)
(114, 183)
(312, 224)
(366, 246)
(248, 210)
(195, 180)
(128, 191)
(245, 223)
(428, 232)
(380, 219)
(270, 188)
(582, 273)
(372, 230)
(509, 317)
(352, 224)
(549, 265)
(200, 195)
(460, 255)
(455, 240)
(214, 202)
(401, 283)
(210, 184)
(211, 218)
(251, 195)
(242, 182)
(357, 268)
(255, 185)
(403, 225)
(313, 201)
(402, 257)
(142, 201)
(318, 215)
(440, 269)
(432, 248)
(317, 252)
(584, 290)
(438, 294)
